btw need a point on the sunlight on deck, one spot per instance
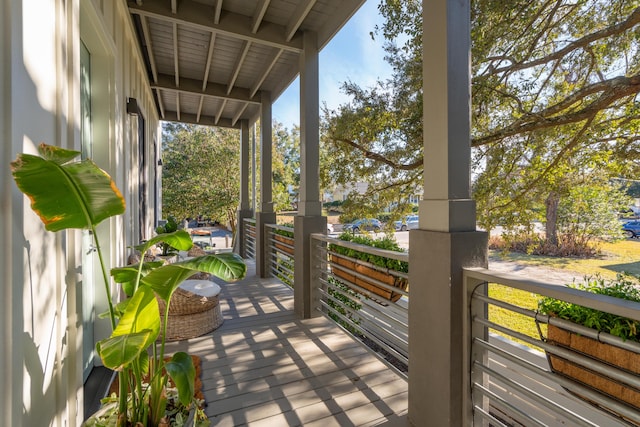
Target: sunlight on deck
(264, 366)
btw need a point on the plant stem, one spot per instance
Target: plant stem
(105, 277)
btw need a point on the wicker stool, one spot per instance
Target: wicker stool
(194, 310)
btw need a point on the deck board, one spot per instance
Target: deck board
(266, 367)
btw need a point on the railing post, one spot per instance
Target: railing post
(262, 242)
(240, 242)
(479, 309)
(303, 287)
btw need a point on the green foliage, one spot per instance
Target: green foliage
(200, 172)
(590, 212)
(169, 227)
(85, 195)
(624, 287)
(553, 95)
(387, 243)
(346, 303)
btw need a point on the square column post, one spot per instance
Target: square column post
(309, 219)
(266, 214)
(244, 210)
(447, 239)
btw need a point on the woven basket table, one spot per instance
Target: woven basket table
(194, 310)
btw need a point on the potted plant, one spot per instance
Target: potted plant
(383, 275)
(80, 195)
(624, 287)
(169, 253)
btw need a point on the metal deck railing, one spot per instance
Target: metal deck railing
(511, 379)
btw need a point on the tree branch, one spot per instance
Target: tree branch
(379, 157)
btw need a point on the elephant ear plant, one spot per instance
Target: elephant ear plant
(69, 194)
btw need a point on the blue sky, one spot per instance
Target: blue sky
(351, 55)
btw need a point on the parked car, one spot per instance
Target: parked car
(408, 223)
(631, 228)
(368, 224)
(329, 228)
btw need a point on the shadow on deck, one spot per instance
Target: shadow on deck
(264, 366)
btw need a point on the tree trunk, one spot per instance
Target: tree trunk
(551, 227)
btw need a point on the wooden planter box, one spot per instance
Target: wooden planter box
(388, 279)
(287, 240)
(606, 353)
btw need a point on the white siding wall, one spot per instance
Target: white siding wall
(41, 338)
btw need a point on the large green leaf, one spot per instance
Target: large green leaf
(183, 373)
(178, 239)
(120, 351)
(126, 276)
(66, 195)
(138, 328)
(166, 279)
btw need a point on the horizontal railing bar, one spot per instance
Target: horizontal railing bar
(360, 327)
(400, 256)
(617, 306)
(281, 267)
(563, 382)
(535, 396)
(487, 416)
(368, 306)
(511, 411)
(603, 337)
(281, 228)
(572, 356)
(368, 265)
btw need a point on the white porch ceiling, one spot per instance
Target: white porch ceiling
(209, 60)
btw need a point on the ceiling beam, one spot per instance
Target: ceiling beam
(198, 15)
(238, 114)
(176, 62)
(147, 37)
(270, 64)
(160, 104)
(258, 15)
(178, 105)
(207, 67)
(220, 111)
(200, 108)
(301, 12)
(204, 120)
(194, 87)
(238, 65)
(217, 11)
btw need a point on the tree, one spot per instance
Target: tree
(552, 81)
(285, 166)
(201, 172)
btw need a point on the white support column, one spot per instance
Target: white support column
(244, 210)
(266, 214)
(446, 240)
(309, 219)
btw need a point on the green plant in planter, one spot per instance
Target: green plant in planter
(387, 243)
(285, 233)
(67, 194)
(169, 227)
(624, 286)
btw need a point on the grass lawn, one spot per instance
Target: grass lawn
(615, 258)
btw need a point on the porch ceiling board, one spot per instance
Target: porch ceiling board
(209, 60)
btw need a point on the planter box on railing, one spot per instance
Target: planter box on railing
(603, 352)
(386, 278)
(288, 243)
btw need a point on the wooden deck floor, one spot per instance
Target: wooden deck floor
(266, 367)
